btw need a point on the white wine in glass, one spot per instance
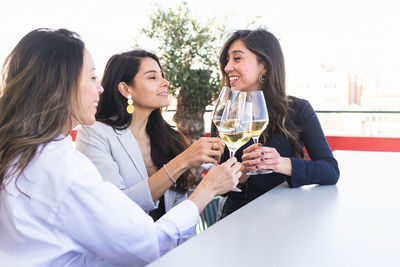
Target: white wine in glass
(236, 122)
(234, 139)
(260, 121)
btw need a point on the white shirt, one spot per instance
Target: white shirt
(70, 216)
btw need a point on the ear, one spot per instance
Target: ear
(262, 68)
(123, 88)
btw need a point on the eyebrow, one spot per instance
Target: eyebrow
(237, 51)
(150, 71)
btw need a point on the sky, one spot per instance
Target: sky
(359, 35)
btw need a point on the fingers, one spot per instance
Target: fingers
(261, 158)
(205, 150)
(252, 148)
(225, 176)
(218, 147)
(211, 140)
(234, 166)
(259, 152)
(214, 149)
(212, 143)
(230, 162)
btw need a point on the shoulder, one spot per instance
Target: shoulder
(65, 158)
(56, 169)
(98, 132)
(301, 109)
(97, 127)
(298, 103)
(57, 165)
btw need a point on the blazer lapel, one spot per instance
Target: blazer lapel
(129, 143)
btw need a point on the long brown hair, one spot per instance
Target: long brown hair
(39, 87)
(165, 142)
(268, 51)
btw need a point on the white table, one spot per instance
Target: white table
(355, 223)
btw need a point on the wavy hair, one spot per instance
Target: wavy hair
(268, 51)
(39, 85)
(165, 142)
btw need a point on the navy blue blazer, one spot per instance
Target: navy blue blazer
(321, 169)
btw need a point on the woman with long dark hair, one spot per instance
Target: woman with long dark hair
(129, 146)
(253, 60)
(55, 209)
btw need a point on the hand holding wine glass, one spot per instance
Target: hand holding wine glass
(260, 122)
(236, 122)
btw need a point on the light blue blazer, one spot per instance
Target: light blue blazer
(117, 156)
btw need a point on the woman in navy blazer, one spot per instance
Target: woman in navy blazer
(253, 60)
(129, 148)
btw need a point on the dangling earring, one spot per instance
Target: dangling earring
(130, 108)
(262, 78)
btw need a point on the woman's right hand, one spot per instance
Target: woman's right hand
(223, 178)
(219, 180)
(204, 150)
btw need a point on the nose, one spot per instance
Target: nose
(228, 68)
(165, 83)
(100, 89)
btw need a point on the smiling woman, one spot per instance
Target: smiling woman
(253, 60)
(52, 198)
(90, 89)
(130, 149)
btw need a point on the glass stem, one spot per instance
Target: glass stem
(231, 153)
(255, 139)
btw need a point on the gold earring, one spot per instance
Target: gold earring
(262, 78)
(130, 108)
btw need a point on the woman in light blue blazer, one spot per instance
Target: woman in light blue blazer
(131, 141)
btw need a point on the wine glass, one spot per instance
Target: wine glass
(216, 116)
(260, 121)
(219, 107)
(236, 122)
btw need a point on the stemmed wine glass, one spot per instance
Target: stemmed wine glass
(219, 107)
(260, 121)
(236, 122)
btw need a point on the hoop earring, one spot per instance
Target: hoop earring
(262, 78)
(130, 108)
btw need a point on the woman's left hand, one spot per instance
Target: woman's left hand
(257, 157)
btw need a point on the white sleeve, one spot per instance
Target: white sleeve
(92, 142)
(107, 222)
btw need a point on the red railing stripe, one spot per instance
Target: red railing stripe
(358, 143)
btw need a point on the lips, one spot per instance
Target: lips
(163, 94)
(233, 79)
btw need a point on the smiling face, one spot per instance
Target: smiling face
(89, 90)
(150, 88)
(243, 68)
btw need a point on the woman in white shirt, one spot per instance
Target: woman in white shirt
(55, 209)
(130, 147)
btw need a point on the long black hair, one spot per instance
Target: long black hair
(268, 51)
(165, 142)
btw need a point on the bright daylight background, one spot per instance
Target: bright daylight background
(340, 54)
